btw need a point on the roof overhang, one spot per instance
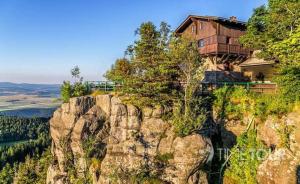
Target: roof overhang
(257, 63)
(191, 18)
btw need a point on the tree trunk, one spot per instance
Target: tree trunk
(186, 95)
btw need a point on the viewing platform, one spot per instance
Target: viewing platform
(206, 88)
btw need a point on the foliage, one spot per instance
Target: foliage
(149, 76)
(164, 158)
(98, 92)
(34, 170)
(140, 175)
(34, 132)
(274, 29)
(191, 112)
(185, 52)
(232, 102)
(16, 153)
(66, 91)
(245, 157)
(75, 72)
(77, 89)
(163, 70)
(284, 132)
(194, 117)
(272, 24)
(7, 174)
(288, 52)
(289, 82)
(121, 70)
(236, 102)
(18, 128)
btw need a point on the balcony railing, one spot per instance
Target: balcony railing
(218, 45)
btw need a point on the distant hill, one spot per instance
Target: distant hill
(28, 100)
(42, 90)
(30, 112)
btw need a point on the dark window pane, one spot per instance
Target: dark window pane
(201, 43)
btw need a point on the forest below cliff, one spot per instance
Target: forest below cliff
(23, 149)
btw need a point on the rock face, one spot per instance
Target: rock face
(116, 143)
(282, 166)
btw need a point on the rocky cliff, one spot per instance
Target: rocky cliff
(102, 140)
(282, 136)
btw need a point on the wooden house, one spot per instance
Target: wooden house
(218, 41)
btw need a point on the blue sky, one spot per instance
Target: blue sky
(41, 40)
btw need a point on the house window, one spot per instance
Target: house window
(201, 43)
(227, 40)
(193, 29)
(200, 25)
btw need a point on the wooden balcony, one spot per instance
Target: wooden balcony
(216, 44)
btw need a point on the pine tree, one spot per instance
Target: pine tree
(149, 77)
(6, 175)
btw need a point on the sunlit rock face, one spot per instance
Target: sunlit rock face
(282, 162)
(282, 166)
(106, 141)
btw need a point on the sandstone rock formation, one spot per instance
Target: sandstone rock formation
(116, 143)
(282, 164)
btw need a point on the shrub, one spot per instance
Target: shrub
(245, 157)
(236, 102)
(187, 121)
(164, 158)
(98, 92)
(284, 132)
(77, 89)
(66, 91)
(142, 175)
(232, 102)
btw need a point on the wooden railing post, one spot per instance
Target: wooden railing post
(228, 48)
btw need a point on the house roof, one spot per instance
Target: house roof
(254, 60)
(189, 20)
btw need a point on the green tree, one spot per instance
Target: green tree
(272, 24)
(288, 52)
(274, 29)
(119, 71)
(6, 175)
(75, 72)
(191, 109)
(186, 55)
(167, 70)
(147, 76)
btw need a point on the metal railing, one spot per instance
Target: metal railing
(103, 85)
(205, 87)
(258, 87)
